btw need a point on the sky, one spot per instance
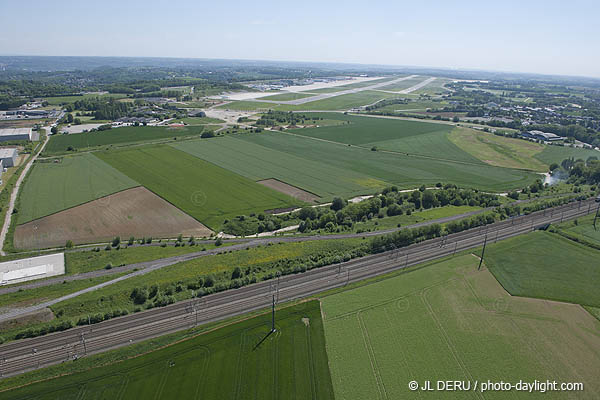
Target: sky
(548, 37)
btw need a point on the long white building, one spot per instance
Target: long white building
(10, 134)
(32, 268)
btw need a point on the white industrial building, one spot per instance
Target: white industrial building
(545, 136)
(27, 269)
(15, 134)
(8, 157)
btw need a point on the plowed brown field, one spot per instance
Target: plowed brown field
(132, 212)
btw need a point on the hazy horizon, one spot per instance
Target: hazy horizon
(543, 37)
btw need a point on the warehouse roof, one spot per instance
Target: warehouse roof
(5, 153)
(15, 131)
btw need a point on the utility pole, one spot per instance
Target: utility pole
(84, 345)
(273, 316)
(278, 276)
(347, 276)
(406, 262)
(596, 216)
(455, 246)
(482, 253)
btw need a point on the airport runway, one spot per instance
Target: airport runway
(24, 355)
(343, 92)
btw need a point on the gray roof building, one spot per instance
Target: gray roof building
(15, 134)
(9, 157)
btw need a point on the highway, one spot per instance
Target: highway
(24, 355)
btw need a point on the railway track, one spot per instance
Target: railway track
(28, 354)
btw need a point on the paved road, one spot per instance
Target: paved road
(340, 93)
(24, 355)
(15, 192)
(149, 266)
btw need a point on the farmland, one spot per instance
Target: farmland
(130, 134)
(203, 190)
(499, 151)
(118, 214)
(394, 168)
(547, 266)
(434, 323)
(258, 162)
(410, 137)
(313, 159)
(56, 186)
(230, 362)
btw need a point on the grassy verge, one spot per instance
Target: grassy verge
(8, 245)
(85, 261)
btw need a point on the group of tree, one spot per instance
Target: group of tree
(580, 171)
(103, 108)
(274, 118)
(390, 202)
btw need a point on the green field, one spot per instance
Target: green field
(434, 88)
(258, 162)
(499, 151)
(205, 191)
(393, 168)
(200, 121)
(448, 321)
(555, 154)
(583, 228)
(237, 361)
(286, 96)
(249, 105)
(420, 105)
(321, 161)
(52, 187)
(547, 266)
(405, 84)
(130, 134)
(341, 102)
(410, 137)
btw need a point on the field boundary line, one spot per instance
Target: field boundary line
(398, 153)
(15, 194)
(81, 204)
(445, 335)
(399, 345)
(374, 367)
